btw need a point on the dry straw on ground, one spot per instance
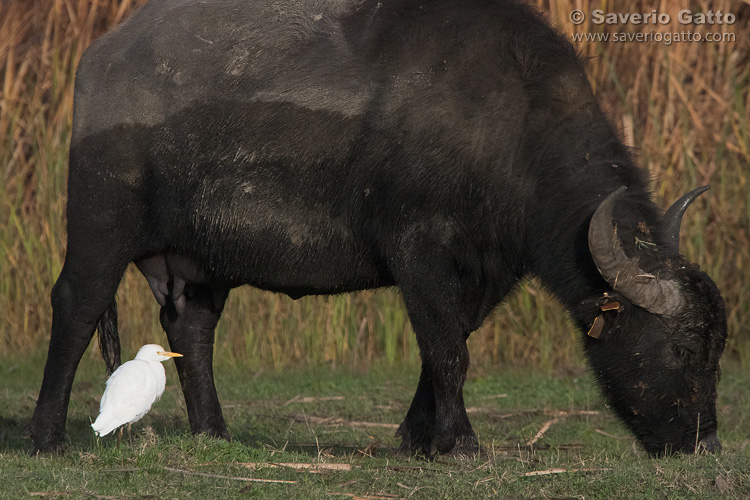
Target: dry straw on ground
(684, 107)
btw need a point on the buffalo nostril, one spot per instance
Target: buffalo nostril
(710, 443)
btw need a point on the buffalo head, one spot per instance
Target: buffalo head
(658, 332)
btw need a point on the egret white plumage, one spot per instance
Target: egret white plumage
(132, 389)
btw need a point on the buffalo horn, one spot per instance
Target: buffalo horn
(623, 273)
(673, 219)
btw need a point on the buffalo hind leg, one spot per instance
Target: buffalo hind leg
(191, 333)
(80, 297)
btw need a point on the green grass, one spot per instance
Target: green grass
(310, 416)
(689, 106)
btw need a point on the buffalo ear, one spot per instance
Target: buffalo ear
(609, 307)
(596, 328)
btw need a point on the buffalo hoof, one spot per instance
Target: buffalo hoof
(466, 448)
(710, 444)
(213, 427)
(413, 444)
(214, 434)
(462, 447)
(50, 448)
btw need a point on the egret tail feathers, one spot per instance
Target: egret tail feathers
(104, 424)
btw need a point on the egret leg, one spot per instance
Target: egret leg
(130, 436)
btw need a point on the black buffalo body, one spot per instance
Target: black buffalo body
(448, 148)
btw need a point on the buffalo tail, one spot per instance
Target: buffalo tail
(109, 338)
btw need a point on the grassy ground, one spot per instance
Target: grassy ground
(683, 107)
(341, 424)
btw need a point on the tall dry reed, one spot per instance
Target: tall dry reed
(684, 107)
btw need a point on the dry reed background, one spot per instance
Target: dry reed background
(685, 107)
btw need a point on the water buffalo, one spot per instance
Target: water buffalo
(318, 147)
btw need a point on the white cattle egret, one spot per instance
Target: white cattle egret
(132, 389)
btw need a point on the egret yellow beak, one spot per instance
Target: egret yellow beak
(169, 354)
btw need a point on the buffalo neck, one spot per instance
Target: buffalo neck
(576, 159)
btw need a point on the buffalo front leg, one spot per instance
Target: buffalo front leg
(418, 427)
(191, 333)
(437, 421)
(453, 432)
(443, 313)
(445, 303)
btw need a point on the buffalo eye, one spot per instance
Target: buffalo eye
(683, 354)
